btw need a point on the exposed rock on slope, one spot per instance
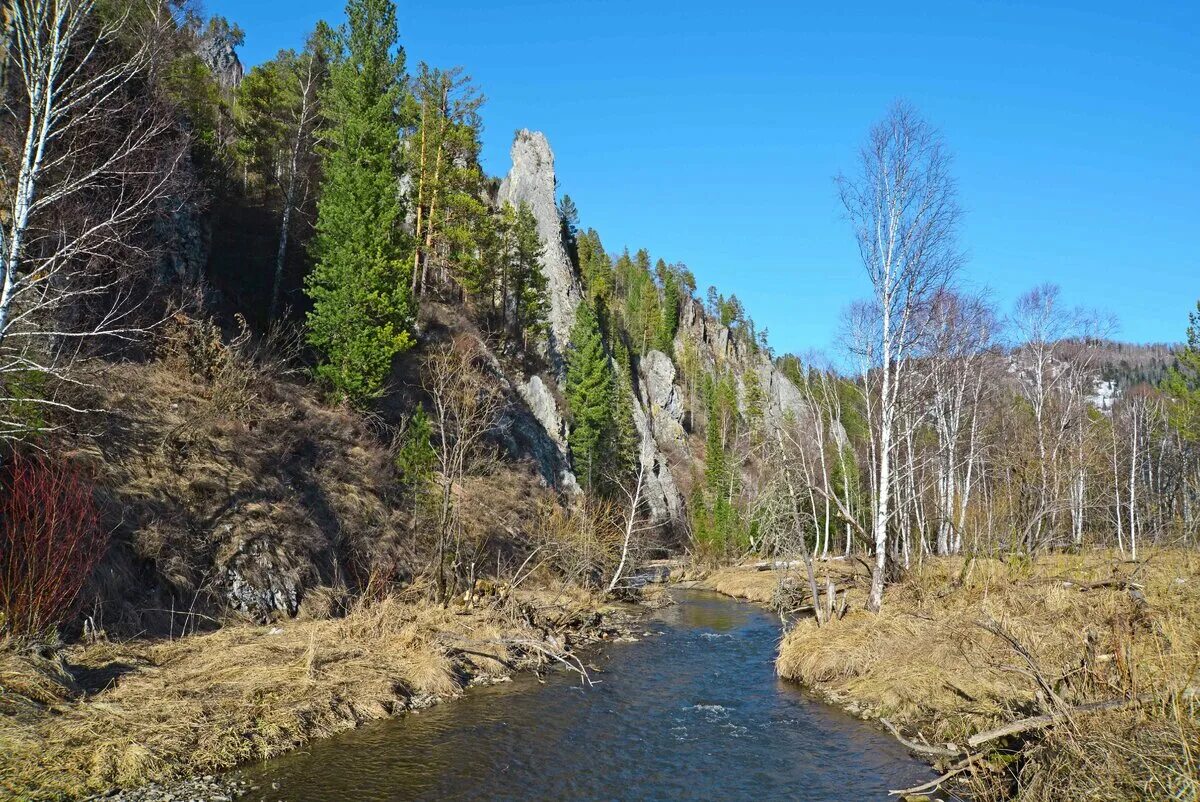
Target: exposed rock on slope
(659, 410)
(718, 348)
(217, 51)
(531, 180)
(661, 398)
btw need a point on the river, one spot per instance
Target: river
(693, 713)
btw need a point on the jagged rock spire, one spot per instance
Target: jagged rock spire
(531, 180)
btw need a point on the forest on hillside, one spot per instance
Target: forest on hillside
(274, 347)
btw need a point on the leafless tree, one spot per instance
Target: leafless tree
(88, 158)
(309, 74)
(634, 526)
(467, 405)
(961, 335)
(1053, 362)
(903, 209)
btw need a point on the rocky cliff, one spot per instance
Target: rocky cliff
(531, 181)
(659, 409)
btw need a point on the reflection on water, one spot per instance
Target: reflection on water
(695, 713)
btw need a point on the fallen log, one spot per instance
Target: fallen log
(1043, 721)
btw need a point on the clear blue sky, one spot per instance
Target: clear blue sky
(709, 132)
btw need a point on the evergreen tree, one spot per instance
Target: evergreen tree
(668, 319)
(528, 284)
(416, 459)
(568, 217)
(591, 391)
(362, 313)
(446, 177)
(626, 444)
(1182, 383)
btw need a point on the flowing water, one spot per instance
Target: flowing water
(693, 713)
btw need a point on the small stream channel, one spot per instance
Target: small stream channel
(695, 713)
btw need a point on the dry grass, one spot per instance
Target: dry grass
(763, 587)
(926, 664)
(208, 702)
(284, 491)
(744, 582)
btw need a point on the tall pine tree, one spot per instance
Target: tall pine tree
(362, 312)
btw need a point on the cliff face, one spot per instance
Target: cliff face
(531, 181)
(659, 406)
(218, 50)
(718, 348)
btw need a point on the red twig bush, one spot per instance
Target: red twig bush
(50, 540)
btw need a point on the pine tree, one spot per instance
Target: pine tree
(591, 398)
(568, 218)
(446, 177)
(362, 313)
(668, 319)
(626, 441)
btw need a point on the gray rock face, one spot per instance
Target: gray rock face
(257, 584)
(717, 348)
(532, 427)
(544, 409)
(217, 51)
(662, 495)
(531, 180)
(661, 398)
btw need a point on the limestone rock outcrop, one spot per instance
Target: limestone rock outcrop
(531, 181)
(718, 348)
(218, 50)
(661, 398)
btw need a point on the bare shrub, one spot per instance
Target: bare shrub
(50, 540)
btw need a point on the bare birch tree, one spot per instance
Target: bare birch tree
(903, 209)
(87, 159)
(1053, 362)
(309, 73)
(961, 334)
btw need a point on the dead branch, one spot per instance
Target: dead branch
(932, 785)
(1034, 670)
(923, 749)
(1043, 721)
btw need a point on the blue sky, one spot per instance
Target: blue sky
(710, 133)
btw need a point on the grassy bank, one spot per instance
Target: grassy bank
(962, 647)
(116, 715)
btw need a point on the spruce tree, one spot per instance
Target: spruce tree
(668, 318)
(362, 313)
(591, 398)
(528, 284)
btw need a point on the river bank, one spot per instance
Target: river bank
(1067, 677)
(695, 711)
(93, 718)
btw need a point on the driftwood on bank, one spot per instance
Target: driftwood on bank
(980, 738)
(1040, 722)
(924, 749)
(936, 783)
